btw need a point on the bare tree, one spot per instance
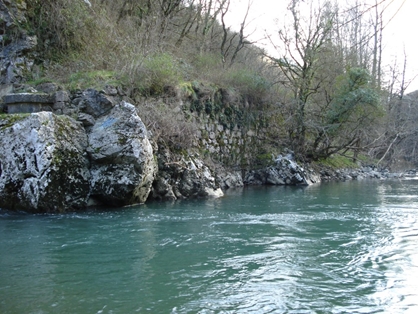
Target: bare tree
(233, 42)
(303, 43)
(208, 19)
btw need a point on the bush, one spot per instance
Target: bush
(158, 72)
(207, 67)
(173, 128)
(94, 79)
(205, 62)
(252, 86)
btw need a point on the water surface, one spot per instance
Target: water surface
(332, 248)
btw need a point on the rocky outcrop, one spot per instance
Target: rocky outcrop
(49, 163)
(53, 163)
(365, 172)
(93, 103)
(18, 48)
(284, 171)
(115, 158)
(181, 177)
(43, 163)
(123, 166)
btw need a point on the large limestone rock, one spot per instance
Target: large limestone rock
(123, 166)
(43, 164)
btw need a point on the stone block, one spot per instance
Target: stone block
(28, 107)
(27, 98)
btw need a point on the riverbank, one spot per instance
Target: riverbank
(92, 148)
(364, 172)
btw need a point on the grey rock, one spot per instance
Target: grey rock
(284, 171)
(94, 103)
(111, 90)
(17, 55)
(61, 97)
(48, 88)
(15, 59)
(43, 163)
(5, 90)
(86, 119)
(123, 166)
(198, 181)
(181, 177)
(162, 189)
(231, 180)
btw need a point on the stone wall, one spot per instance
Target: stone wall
(233, 146)
(229, 131)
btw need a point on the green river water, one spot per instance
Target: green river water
(332, 248)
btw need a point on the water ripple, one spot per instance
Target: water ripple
(347, 248)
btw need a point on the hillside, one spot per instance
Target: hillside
(325, 100)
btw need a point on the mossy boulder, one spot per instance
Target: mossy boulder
(43, 164)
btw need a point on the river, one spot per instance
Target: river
(332, 248)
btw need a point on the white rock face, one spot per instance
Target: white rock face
(43, 163)
(123, 165)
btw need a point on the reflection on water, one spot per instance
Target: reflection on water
(331, 248)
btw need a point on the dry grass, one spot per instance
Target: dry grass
(142, 50)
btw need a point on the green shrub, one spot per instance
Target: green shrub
(93, 79)
(206, 62)
(158, 72)
(264, 159)
(338, 162)
(250, 84)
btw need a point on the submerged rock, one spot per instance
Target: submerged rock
(43, 163)
(123, 166)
